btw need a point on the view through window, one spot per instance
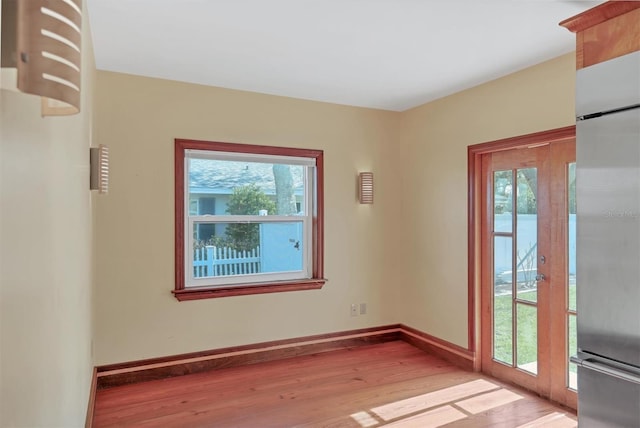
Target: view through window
(249, 215)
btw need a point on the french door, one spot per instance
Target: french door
(528, 278)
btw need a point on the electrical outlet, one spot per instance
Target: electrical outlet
(363, 308)
(354, 310)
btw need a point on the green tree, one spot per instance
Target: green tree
(247, 200)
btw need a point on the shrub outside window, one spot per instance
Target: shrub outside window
(248, 219)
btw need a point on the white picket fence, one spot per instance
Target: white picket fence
(223, 261)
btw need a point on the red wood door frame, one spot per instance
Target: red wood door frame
(475, 243)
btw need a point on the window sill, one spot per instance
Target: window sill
(198, 293)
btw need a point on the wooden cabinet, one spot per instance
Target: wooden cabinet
(606, 31)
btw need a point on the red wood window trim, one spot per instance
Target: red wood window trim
(195, 293)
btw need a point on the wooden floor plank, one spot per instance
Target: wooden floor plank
(367, 386)
(488, 401)
(433, 418)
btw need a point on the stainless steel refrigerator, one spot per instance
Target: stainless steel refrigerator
(608, 243)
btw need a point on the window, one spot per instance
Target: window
(248, 219)
(203, 205)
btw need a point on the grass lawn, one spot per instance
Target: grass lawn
(527, 330)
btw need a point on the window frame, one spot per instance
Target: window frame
(317, 280)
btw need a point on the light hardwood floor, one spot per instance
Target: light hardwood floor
(390, 384)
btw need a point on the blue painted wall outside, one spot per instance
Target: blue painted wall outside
(281, 247)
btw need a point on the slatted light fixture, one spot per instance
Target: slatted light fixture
(99, 161)
(365, 187)
(48, 53)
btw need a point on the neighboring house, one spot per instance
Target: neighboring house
(211, 183)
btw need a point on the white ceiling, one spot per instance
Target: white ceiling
(386, 54)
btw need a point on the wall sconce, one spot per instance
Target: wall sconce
(365, 187)
(99, 171)
(42, 39)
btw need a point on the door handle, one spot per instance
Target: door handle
(597, 366)
(540, 277)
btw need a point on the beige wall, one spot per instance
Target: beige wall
(45, 260)
(432, 156)
(405, 256)
(136, 314)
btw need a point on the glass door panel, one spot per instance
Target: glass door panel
(527, 337)
(527, 234)
(572, 339)
(572, 372)
(502, 202)
(515, 219)
(502, 302)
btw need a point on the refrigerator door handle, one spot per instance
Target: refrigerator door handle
(599, 366)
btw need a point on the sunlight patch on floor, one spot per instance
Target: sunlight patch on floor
(364, 419)
(432, 399)
(451, 404)
(553, 420)
(488, 401)
(431, 419)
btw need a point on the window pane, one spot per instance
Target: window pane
(527, 338)
(502, 202)
(223, 187)
(193, 206)
(527, 234)
(502, 299)
(502, 264)
(252, 248)
(572, 236)
(573, 350)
